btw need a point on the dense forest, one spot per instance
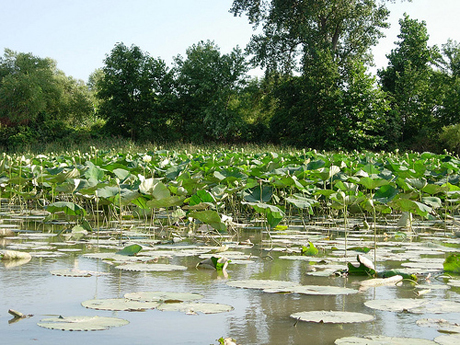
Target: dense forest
(317, 90)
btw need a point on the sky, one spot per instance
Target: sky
(78, 34)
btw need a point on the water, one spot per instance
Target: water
(257, 318)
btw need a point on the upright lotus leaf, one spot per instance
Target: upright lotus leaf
(433, 189)
(117, 194)
(121, 174)
(385, 194)
(327, 173)
(309, 250)
(412, 206)
(302, 202)
(452, 264)
(147, 186)
(273, 213)
(432, 201)
(94, 172)
(201, 197)
(131, 250)
(372, 183)
(315, 165)
(365, 268)
(174, 200)
(67, 207)
(417, 183)
(209, 217)
(259, 194)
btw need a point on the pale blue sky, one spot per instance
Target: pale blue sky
(79, 33)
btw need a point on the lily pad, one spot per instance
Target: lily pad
(82, 323)
(324, 316)
(71, 273)
(415, 306)
(453, 339)
(263, 284)
(382, 340)
(119, 304)
(151, 267)
(14, 255)
(441, 325)
(318, 290)
(193, 308)
(163, 296)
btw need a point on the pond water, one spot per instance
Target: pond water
(257, 318)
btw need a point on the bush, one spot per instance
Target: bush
(450, 137)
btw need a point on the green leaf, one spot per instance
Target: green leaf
(259, 194)
(68, 208)
(273, 213)
(131, 250)
(309, 250)
(372, 183)
(452, 264)
(365, 268)
(209, 217)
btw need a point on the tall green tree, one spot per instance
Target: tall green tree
(34, 94)
(407, 80)
(448, 78)
(208, 84)
(317, 48)
(134, 93)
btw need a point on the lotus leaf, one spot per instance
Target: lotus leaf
(382, 340)
(151, 267)
(193, 308)
(323, 316)
(120, 304)
(163, 296)
(82, 323)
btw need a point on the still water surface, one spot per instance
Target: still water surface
(257, 318)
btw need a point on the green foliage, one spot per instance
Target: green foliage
(208, 84)
(134, 92)
(452, 263)
(131, 250)
(37, 101)
(450, 136)
(309, 250)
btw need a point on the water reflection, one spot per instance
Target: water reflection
(257, 318)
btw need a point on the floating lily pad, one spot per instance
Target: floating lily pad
(193, 308)
(454, 282)
(163, 296)
(453, 339)
(82, 323)
(324, 316)
(71, 273)
(415, 306)
(317, 290)
(8, 255)
(118, 304)
(151, 267)
(263, 284)
(381, 340)
(440, 324)
(391, 281)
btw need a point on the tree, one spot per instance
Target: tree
(37, 98)
(407, 79)
(134, 93)
(448, 79)
(317, 48)
(208, 84)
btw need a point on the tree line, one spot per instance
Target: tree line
(316, 90)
